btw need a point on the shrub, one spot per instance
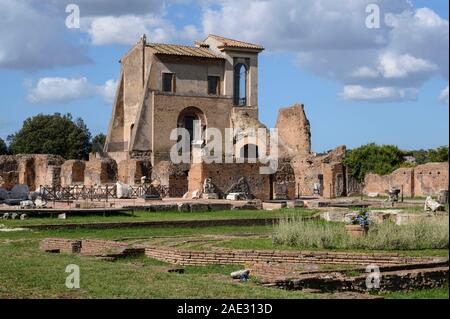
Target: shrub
(423, 234)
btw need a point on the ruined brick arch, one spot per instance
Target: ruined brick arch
(249, 151)
(190, 114)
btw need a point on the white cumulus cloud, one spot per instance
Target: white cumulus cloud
(444, 96)
(377, 94)
(52, 90)
(331, 40)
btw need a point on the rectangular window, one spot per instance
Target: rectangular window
(214, 85)
(168, 82)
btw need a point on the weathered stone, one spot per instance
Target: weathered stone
(27, 204)
(239, 274)
(293, 132)
(432, 205)
(123, 190)
(184, 207)
(4, 194)
(19, 191)
(197, 207)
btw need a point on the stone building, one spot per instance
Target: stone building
(213, 84)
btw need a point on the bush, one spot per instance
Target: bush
(372, 158)
(423, 234)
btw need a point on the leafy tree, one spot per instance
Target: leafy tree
(438, 155)
(52, 134)
(421, 156)
(3, 147)
(98, 142)
(372, 158)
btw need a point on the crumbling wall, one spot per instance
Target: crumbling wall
(226, 176)
(323, 170)
(72, 172)
(294, 134)
(284, 181)
(100, 171)
(9, 171)
(334, 180)
(33, 170)
(131, 171)
(171, 176)
(430, 179)
(423, 180)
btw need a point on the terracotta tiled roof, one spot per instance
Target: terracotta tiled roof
(235, 43)
(183, 50)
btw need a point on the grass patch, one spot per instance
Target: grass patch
(420, 235)
(27, 272)
(436, 293)
(140, 216)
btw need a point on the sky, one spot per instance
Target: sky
(361, 79)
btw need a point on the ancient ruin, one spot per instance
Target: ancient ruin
(212, 85)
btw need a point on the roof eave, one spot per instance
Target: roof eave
(239, 48)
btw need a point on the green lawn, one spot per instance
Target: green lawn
(162, 216)
(27, 272)
(437, 293)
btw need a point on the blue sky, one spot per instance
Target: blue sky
(358, 85)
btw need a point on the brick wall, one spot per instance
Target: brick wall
(72, 172)
(241, 257)
(60, 245)
(423, 180)
(430, 179)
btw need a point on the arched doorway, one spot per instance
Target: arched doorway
(194, 121)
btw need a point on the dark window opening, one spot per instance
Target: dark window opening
(249, 151)
(240, 85)
(168, 82)
(214, 85)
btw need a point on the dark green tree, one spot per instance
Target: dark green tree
(438, 155)
(372, 158)
(52, 134)
(421, 156)
(3, 147)
(98, 142)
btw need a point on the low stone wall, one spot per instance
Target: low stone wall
(90, 247)
(60, 245)
(240, 257)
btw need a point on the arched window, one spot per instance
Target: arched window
(240, 85)
(249, 151)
